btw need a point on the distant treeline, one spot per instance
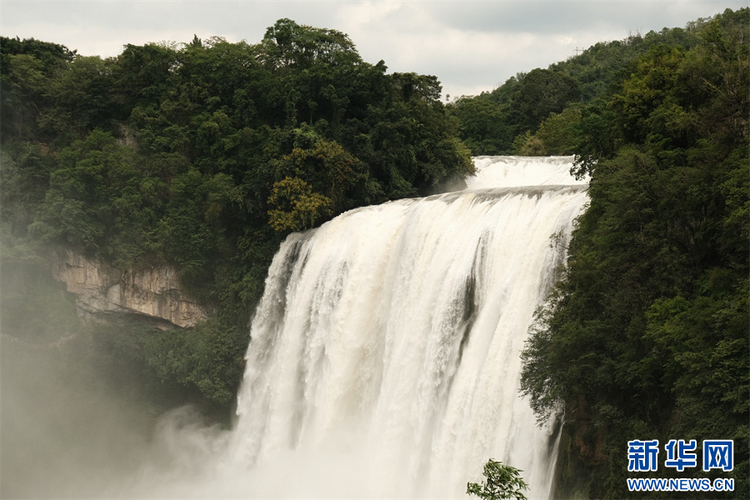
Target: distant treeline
(549, 111)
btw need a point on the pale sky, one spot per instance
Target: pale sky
(471, 46)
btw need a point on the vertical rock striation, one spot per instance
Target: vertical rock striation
(103, 289)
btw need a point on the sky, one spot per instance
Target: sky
(471, 46)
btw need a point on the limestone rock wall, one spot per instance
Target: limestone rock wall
(103, 289)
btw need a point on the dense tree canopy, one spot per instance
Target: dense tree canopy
(507, 120)
(205, 155)
(647, 333)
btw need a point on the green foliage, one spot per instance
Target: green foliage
(646, 334)
(79, 98)
(289, 45)
(24, 179)
(328, 168)
(23, 83)
(558, 135)
(203, 156)
(99, 199)
(27, 69)
(503, 482)
(543, 92)
(298, 207)
(481, 124)
(496, 122)
(208, 357)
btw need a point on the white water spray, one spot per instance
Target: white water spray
(387, 344)
(384, 355)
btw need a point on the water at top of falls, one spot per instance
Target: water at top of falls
(384, 354)
(385, 351)
(513, 171)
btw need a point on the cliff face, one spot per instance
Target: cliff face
(103, 289)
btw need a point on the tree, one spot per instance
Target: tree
(289, 45)
(543, 92)
(203, 155)
(298, 207)
(143, 74)
(22, 84)
(503, 482)
(646, 333)
(79, 97)
(482, 124)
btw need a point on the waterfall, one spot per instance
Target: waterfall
(384, 354)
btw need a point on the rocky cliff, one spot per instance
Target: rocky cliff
(103, 289)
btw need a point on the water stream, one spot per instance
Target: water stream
(384, 359)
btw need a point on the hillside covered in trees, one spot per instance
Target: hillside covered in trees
(205, 155)
(647, 334)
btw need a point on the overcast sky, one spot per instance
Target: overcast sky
(470, 46)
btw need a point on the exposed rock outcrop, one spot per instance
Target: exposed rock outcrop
(103, 289)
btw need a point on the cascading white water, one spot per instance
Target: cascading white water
(384, 355)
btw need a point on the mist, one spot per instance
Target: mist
(63, 435)
(75, 420)
(376, 404)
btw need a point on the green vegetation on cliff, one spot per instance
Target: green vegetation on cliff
(204, 156)
(647, 334)
(538, 113)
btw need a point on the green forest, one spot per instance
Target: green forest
(205, 155)
(647, 332)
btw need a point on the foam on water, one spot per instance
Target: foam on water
(384, 354)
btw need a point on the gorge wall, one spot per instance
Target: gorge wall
(102, 290)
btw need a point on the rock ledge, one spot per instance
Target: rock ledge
(103, 289)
